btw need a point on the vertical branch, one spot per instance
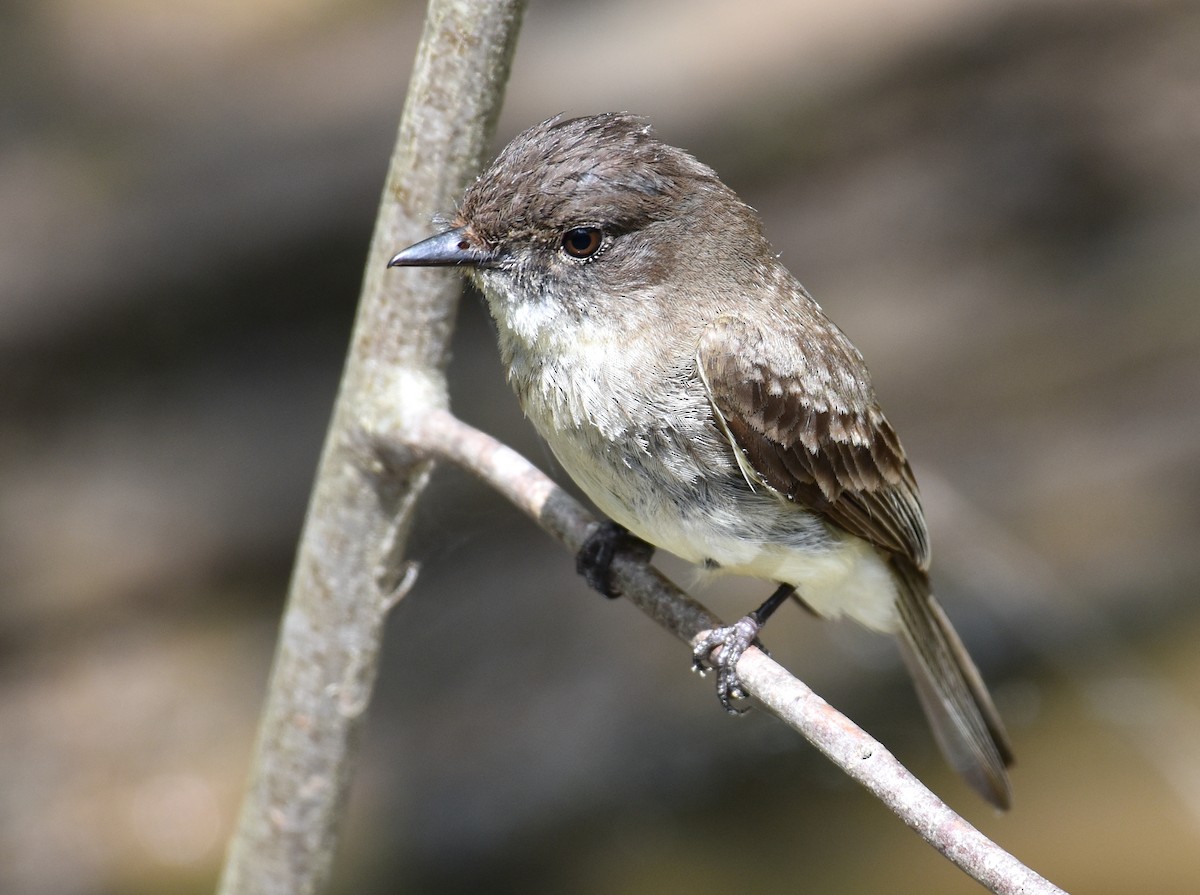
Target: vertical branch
(348, 568)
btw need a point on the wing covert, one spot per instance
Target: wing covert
(798, 408)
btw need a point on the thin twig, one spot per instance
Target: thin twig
(349, 568)
(434, 431)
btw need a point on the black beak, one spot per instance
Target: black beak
(449, 249)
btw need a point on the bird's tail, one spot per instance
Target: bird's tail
(965, 723)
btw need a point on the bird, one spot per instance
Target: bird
(701, 398)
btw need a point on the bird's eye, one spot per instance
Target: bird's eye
(582, 242)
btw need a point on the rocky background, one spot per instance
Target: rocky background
(1000, 204)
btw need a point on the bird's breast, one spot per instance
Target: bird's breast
(632, 426)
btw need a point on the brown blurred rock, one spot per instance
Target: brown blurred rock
(1001, 206)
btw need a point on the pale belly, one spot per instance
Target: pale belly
(643, 446)
(742, 531)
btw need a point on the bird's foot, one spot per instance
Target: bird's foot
(594, 559)
(733, 641)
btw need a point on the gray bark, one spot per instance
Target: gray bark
(349, 567)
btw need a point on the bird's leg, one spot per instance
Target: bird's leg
(733, 641)
(594, 559)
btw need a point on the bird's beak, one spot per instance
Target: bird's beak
(450, 249)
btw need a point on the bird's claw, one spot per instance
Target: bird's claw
(733, 641)
(594, 559)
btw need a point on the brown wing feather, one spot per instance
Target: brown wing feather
(797, 404)
(797, 407)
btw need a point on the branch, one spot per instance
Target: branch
(435, 432)
(349, 568)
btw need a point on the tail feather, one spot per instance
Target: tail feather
(965, 723)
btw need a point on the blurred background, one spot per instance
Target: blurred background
(1000, 203)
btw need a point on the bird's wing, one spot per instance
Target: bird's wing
(796, 405)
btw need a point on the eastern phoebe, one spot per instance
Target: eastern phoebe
(698, 395)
